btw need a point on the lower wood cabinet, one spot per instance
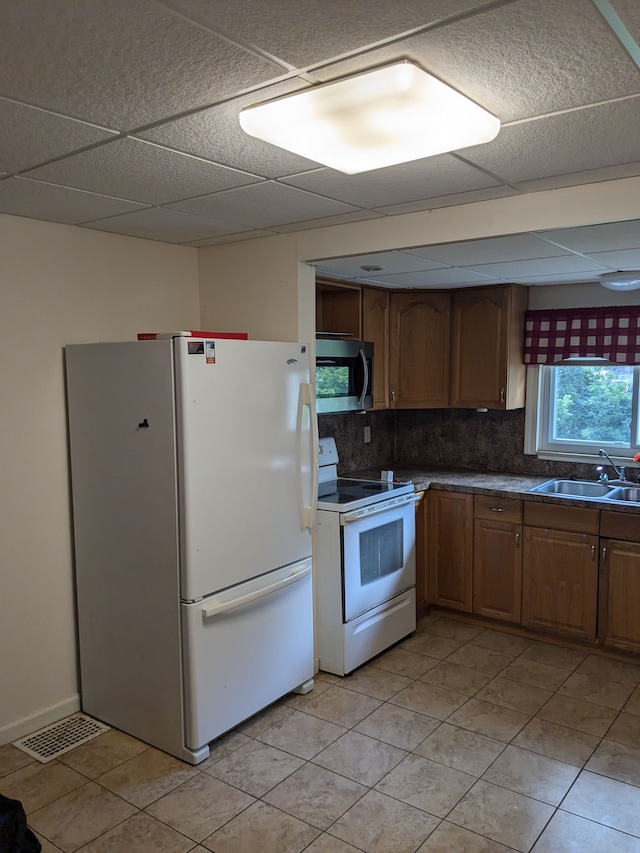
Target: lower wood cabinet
(450, 549)
(421, 552)
(497, 558)
(560, 582)
(619, 611)
(560, 569)
(619, 600)
(565, 570)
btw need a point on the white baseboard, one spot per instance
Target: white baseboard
(39, 719)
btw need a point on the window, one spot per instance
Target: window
(583, 405)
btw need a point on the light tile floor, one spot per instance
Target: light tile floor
(460, 739)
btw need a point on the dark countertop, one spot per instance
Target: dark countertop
(488, 483)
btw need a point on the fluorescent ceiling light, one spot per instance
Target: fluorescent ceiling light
(629, 280)
(371, 120)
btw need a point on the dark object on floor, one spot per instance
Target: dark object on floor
(15, 835)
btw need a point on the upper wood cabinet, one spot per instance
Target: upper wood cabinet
(375, 327)
(338, 309)
(419, 348)
(487, 371)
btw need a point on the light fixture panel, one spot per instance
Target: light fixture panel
(375, 119)
(621, 281)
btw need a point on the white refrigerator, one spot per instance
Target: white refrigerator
(192, 470)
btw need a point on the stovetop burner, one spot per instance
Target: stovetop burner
(342, 493)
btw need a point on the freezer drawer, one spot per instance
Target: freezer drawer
(245, 648)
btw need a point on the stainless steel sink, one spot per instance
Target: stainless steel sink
(574, 489)
(629, 494)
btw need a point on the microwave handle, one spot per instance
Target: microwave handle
(365, 378)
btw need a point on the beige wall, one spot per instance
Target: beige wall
(251, 287)
(58, 285)
(259, 286)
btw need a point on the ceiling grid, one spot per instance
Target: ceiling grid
(122, 116)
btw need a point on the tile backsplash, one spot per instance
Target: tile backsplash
(447, 438)
(348, 430)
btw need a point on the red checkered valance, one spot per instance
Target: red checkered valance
(611, 333)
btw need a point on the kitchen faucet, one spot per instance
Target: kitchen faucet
(619, 471)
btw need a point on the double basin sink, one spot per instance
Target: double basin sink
(588, 490)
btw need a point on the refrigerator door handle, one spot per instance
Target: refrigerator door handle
(305, 398)
(217, 608)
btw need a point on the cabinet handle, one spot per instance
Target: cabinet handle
(393, 395)
(502, 394)
(604, 554)
(497, 509)
(517, 540)
(593, 552)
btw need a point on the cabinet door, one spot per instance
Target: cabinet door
(487, 349)
(375, 327)
(450, 550)
(560, 582)
(619, 612)
(419, 344)
(421, 552)
(338, 309)
(497, 569)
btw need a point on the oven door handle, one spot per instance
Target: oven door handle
(349, 517)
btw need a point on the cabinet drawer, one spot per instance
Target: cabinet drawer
(571, 518)
(497, 508)
(620, 525)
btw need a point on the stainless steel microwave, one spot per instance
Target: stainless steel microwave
(344, 375)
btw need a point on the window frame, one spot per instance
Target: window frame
(538, 411)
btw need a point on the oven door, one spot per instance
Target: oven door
(378, 551)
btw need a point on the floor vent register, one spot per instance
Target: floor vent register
(54, 740)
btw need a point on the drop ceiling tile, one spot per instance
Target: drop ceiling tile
(23, 197)
(158, 223)
(524, 59)
(141, 171)
(539, 266)
(629, 13)
(119, 63)
(431, 176)
(518, 247)
(440, 278)
(596, 238)
(622, 259)
(250, 234)
(29, 136)
(263, 205)
(574, 179)
(560, 278)
(326, 221)
(447, 200)
(216, 134)
(303, 35)
(606, 135)
(392, 263)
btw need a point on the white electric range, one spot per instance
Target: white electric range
(365, 569)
